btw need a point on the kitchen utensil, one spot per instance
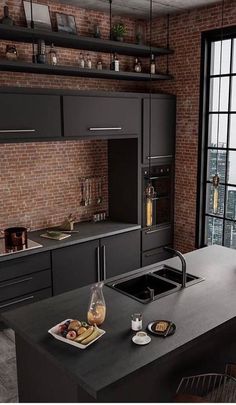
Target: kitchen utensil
(99, 200)
(89, 191)
(86, 192)
(82, 202)
(15, 238)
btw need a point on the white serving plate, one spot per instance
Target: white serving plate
(55, 333)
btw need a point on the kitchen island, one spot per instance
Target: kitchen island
(115, 369)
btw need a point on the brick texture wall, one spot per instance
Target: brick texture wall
(185, 39)
(40, 183)
(184, 64)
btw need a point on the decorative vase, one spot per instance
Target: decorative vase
(97, 307)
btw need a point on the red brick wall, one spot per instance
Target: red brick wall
(185, 39)
(40, 183)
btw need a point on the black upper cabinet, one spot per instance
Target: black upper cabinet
(120, 253)
(101, 116)
(162, 129)
(75, 266)
(29, 116)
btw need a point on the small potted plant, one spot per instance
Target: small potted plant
(118, 31)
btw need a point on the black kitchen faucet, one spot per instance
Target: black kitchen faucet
(183, 262)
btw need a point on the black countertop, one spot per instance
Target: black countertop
(87, 231)
(197, 310)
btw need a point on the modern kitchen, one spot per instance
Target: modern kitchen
(117, 201)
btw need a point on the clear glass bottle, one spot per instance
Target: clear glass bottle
(99, 64)
(137, 66)
(81, 60)
(88, 62)
(52, 55)
(97, 307)
(115, 64)
(153, 65)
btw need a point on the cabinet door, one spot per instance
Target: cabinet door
(121, 253)
(29, 116)
(101, 116)
(162, 129)
(75, 266)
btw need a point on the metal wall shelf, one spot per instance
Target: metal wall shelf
(18, 66)
(22, 34)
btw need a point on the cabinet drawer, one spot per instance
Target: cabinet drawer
(24, 265)
(153, 238)
(24, 285)
(154, 256)
(101, 116)
(29, 116)
(25, 299)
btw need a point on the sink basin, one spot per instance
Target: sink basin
(163, 280)
(175, 275)
(138, 286)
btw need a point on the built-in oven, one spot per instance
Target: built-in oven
(157, 195)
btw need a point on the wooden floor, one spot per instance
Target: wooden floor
(8, 375)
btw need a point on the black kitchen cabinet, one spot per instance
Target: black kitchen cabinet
(120, 254)
(29, 116)
(25, 280)
(101, 116)
(162, 129)
(75, 266)
(86, 263)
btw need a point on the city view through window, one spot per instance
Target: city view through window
(220, 225)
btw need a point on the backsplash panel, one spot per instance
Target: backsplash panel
(40, 183)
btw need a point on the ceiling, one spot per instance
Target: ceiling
(140, 8)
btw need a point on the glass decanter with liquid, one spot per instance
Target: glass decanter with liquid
(97, 307)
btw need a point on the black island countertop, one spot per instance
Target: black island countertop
(87, 231)
(200, 313)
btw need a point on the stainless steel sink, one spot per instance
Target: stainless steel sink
(152, 285)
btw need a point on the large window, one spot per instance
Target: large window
(218, 224)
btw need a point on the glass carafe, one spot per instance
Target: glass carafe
(97, 307)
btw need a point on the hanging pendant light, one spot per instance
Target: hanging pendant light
(216, 178)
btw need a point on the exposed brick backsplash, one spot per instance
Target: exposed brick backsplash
(40, 183)
(184, 64)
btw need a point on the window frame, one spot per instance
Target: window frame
(204, 112)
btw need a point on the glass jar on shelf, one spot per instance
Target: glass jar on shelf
(52, 56)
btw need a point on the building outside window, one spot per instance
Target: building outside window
(218, 147)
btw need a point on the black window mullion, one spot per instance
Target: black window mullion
(227, 145)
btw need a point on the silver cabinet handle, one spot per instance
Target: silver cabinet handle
(104, 262)
(159, 157)
(98, 264)
(105, 129)
(17, 301)
(157, 230)
(12, 131)
(16, 282)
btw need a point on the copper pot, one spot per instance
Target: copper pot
(15, 238)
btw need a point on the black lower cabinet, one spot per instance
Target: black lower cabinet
(87, 263)
(25, 280)
(120, 254)
(75, 266)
